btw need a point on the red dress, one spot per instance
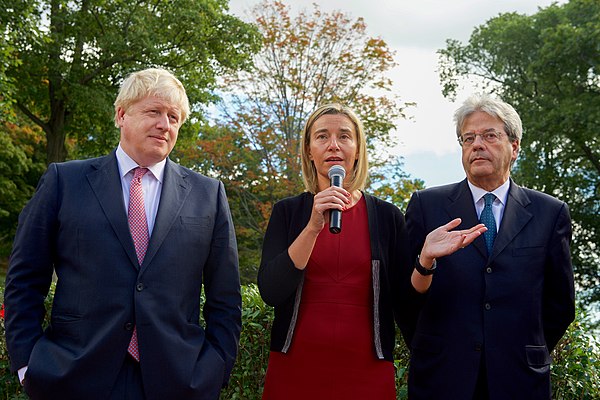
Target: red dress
(332, 355)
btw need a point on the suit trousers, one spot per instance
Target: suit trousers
(129, 384)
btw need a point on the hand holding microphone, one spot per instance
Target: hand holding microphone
(336, 173)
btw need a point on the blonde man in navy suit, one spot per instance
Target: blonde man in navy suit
(107, 294)
(489, 318)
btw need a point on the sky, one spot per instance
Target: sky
(414, 30)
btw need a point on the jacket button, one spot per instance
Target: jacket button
(139, 287)
(129, 326)
(488, 270)
(487, 306)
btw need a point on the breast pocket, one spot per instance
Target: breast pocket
(204, 221)
(529, 251)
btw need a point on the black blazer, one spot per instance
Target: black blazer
(513, 306)
(76, 225)
(280, 282)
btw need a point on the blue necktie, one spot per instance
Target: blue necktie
(487, 218)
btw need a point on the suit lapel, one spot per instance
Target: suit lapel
(106, 185)
(515, 218)
(461, 206)
(173, 195)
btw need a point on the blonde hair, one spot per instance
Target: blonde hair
(155, 82)
(359, 173)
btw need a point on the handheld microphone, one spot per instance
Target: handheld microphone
(336, 173)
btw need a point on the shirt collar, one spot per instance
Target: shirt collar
(501, 192)
(126, 164)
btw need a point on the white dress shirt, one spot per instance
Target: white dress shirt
(151, 184)
(499, 203)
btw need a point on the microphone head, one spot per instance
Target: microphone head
(336, 170)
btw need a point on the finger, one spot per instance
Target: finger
(452, 224)
(469, 238)
(477, 228)
(332, 202)
(332, 195)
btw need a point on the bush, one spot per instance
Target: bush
(576, 364)
(575, 370)
(247, 377)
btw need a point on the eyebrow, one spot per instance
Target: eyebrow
(343, 129)
(484, 131)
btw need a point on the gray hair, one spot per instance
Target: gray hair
(494, 107)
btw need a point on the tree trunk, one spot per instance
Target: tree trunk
(56, 150)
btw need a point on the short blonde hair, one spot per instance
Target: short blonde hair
(360, 171)
(152, 82)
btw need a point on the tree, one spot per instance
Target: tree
(547, 65)
(21, 164)
(72, 55)
(305, 61)
(7, 59)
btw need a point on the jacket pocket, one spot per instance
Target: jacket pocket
(64, 325)
(537, 356)
(205, 221)
(529, 251)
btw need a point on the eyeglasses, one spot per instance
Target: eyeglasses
(489, 137)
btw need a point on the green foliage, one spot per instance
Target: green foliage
(547, 66)
(21, 164)
(576, 364)
(72, 55)
(247, 377)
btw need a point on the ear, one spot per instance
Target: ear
(120, 116)
(515, 149)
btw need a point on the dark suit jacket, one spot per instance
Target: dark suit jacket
(513, 306)
(76, 226)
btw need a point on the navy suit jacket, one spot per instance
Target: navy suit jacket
(512, 306)
(76, 226)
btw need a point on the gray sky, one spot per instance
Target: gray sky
(415, 30)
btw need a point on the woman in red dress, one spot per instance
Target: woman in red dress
(337, 296)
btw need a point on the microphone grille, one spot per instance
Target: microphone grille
(337, 170)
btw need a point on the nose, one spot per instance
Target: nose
(479, 142)
(162, 122)
(333, 144)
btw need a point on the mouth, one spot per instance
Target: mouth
(159, 138)
(333, 159)
(478, 158)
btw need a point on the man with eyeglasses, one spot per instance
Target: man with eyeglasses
(489, 314)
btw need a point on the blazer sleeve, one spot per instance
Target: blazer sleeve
(222, 307)
(30, 270)
(559, 292)
(278, 278)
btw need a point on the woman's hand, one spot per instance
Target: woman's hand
(331, 198)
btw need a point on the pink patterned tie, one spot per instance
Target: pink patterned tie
(138, 226)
